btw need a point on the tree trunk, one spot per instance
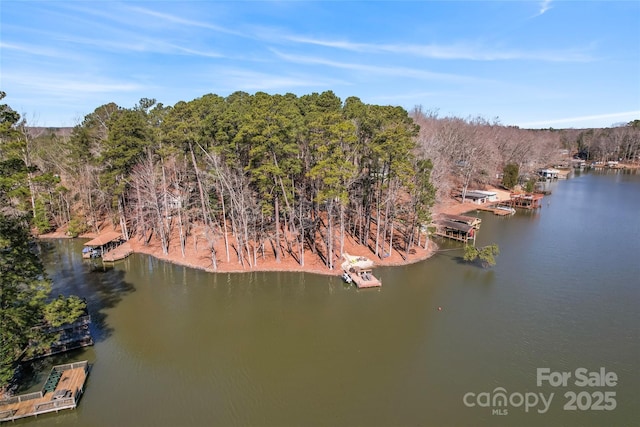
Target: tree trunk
(330, 235)
(224, 225)
(203, 203)
(123, 221)
(341, 229)
(277, 214)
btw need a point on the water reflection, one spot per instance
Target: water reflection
(185, 347)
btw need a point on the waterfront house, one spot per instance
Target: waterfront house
(481, 197)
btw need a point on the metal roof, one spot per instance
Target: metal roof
(105, 238)
(455, 225)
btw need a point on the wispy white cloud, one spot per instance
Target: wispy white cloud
(545, 5)
(240, 79)
(624, 116)
(39, 51)
(66, 84)
(183, 21)
(389, 71)
(139, 44)
(468, 51)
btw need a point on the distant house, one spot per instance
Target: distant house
(613, 164)
(492, 196)
(549, 174)
(174, 201)
(481, 197)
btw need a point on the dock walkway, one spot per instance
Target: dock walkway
(118, 253)
(495, 210)
(62, 390)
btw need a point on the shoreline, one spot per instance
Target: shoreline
(199, 259)
(198, 255)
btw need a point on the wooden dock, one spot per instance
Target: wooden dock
(495, 210)
(63, 389)
(365, 280)
(118, 253)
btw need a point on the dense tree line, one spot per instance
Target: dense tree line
(277, 174)
(610, 144)
(474, 151)
(263, 173)
(26, 314)
(26, 311)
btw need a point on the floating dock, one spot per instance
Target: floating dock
(358, 268)
(62, 390)
(497, 210)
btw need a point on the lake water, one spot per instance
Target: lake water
(181, 347)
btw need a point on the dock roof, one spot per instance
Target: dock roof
(465, 228)
(104, 238)
(469, 220)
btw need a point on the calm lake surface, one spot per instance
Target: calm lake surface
(181, 347)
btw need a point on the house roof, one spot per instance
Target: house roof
(104, 238)
(485, 192)
(476, 195)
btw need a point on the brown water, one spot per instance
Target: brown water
(176, 346)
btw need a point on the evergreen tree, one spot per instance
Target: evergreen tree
(510, 175)
(24, 289)
(23, 292)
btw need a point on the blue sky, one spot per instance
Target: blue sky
(530, 64)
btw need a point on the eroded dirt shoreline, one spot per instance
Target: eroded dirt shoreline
(198, 255)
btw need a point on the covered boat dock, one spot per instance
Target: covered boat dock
(455, 230)
(526, 200)
(458, 227)
(102, 244)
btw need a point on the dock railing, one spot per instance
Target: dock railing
(68, 402)
(61, 368)
(7, 414)
(21, 398)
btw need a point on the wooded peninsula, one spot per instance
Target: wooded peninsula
(253, 179)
